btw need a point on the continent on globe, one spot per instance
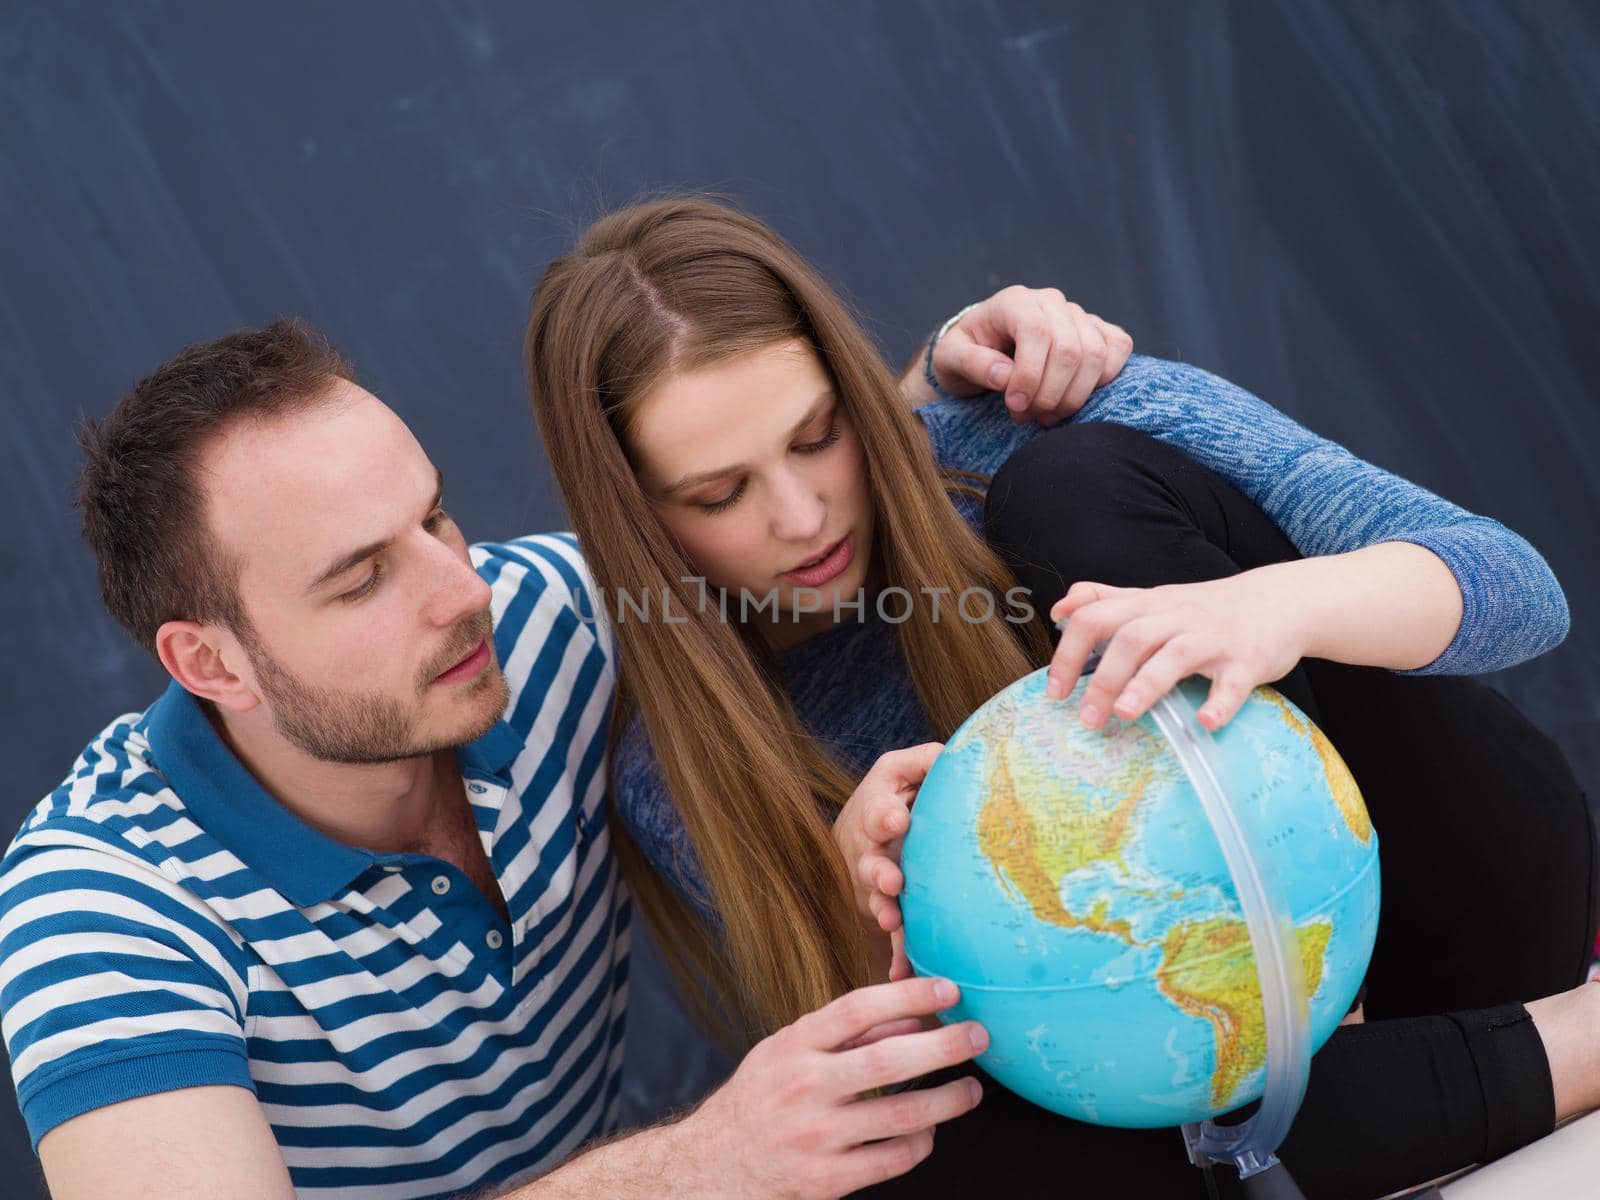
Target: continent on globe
(1340, 782)
(1207, 969)
(1035, 835)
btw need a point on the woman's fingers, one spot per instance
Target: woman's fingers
(1129, 648)
(1091, 366)
(1092, 612)
(1077, 640)
(1178, 658)
(879, 872)
(903, 768)
(899, 964)
(983, 367)
(1032, 349)
(1080, 595)
(1061, 365)
(888, 816)
(1228, 693)
(1119, 347)
(885, 911)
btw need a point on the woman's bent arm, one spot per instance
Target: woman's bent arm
(1328, 501)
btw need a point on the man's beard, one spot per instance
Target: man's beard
(341, 727)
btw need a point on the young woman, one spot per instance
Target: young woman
(730, 445)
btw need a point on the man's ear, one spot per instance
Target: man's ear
(209, 662)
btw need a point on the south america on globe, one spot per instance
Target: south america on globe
(1069, 881)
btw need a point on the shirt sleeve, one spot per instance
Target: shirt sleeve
(114, 983)
(1328, 501)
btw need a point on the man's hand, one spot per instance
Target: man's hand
(870, 829)
(1042, 350)
(795, 1122)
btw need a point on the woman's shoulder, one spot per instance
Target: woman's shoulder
(638, 793)
(977, 434)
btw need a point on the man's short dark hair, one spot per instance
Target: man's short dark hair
(143, 512)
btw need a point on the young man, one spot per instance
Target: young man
(337, 915)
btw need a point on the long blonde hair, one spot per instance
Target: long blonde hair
(676, 285)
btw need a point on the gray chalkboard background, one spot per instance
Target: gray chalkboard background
(1380, 217)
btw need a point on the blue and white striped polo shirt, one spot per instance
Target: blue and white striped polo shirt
(164, 923)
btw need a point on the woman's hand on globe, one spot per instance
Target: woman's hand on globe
(870, 829)
(1239, 632)
(1039, 348)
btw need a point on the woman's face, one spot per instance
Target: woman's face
(753, 465)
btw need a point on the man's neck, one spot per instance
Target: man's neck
(384, 807)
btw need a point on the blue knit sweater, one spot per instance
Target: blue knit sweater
(850, 684)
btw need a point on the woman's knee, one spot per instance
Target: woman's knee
(1108, 503)
(1069, 471)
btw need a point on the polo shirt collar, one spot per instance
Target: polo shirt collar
(304, 864)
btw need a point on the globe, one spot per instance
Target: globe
(1069, 881)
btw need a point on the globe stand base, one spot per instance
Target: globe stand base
(1271, 1181)
(1275, 1183)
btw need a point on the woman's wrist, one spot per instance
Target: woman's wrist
(1393, 605)
(929, 376)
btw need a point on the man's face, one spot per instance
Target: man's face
(371, 637)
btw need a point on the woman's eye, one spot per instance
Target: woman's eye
(824, 442)
(725, 503)
(366, 588)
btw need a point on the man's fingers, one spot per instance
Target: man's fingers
(904, 1058)
(853, 1013)
(867, 1165)
(896, 1028)
(914, 1109)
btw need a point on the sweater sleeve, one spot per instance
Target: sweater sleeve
(646, 811)
(1328, 501)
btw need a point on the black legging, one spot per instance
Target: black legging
(1488, 855)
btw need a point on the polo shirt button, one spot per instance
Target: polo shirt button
(494, 939)
(441, 884)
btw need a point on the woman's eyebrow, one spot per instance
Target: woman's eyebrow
(689, 481)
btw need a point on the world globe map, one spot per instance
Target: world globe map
(1069, 881)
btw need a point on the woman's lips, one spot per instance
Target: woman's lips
(832, 565)
(468, 666)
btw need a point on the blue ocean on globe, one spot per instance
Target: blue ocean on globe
(1069, 881)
